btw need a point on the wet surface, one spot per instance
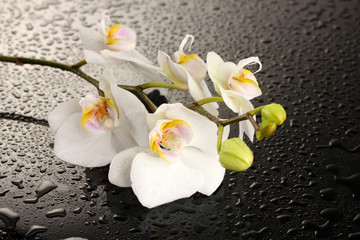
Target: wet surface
(305, 181)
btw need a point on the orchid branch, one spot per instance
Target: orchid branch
(75, 68)
(79, 64)
(162, 85)
(219, 138)
(70, 68)
(138, 90)
(210, 100)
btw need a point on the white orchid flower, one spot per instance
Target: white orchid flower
(236, 85)
(188, 71)
(116, 44)
(91, 133)
(181, 160)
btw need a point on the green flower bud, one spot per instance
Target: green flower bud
(267, 129)
(273, 112)
(235, 155)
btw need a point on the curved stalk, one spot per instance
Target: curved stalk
(219, 138)
(162, 85)
(79, 64)
(210, 100)
(74, 68)
(196, 106)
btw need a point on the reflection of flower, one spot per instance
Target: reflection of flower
(188, 71)
(185, 159)
(115, 44)
(236, 85)
(92, 133)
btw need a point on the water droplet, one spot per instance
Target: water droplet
(34, 230)
(9, 217)
(59, 212)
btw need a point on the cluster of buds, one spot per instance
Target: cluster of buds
(272, 115)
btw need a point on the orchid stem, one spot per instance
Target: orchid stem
(219, 138)
(209, 100)
(196, 107)
(253, 122)
(162, 85)
(70, 68)
(79, 64)
(245, 116)
(256, 110)
(75, 68)
(146, 99)
(138, 90)
(229, 121)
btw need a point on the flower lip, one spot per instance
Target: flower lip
(243, 81)
(191, 62)
(169, 137)
(99, 113)
(117, 37)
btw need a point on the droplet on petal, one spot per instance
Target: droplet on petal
(98, 114)
(169, 137)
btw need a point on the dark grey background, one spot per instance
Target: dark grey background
(310, 54)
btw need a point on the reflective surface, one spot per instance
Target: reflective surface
(304, 183)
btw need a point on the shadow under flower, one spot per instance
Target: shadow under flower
(181, 218)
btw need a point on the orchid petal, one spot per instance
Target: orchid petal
(199, 91)
(218, 70)
(194, 65)
(210, 107)
(226, 132)
(119, 171)
(224, 72)
(245, 86)
(74, 145)
(204, 131)
(137, 55)
(123, 137)
(234, 100)
(207, 165)
(240, 105)
(184, 44)
(156, 182)
(117, 37)
(133, 110)
(248, 61)
(246, 126)
(92, 40)
(139, 61)
(243, 81)
(120, 38)
(97, 58)
(105, 22)
(172, 70)
(58, 116)
(132, 56)
(178, 74)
